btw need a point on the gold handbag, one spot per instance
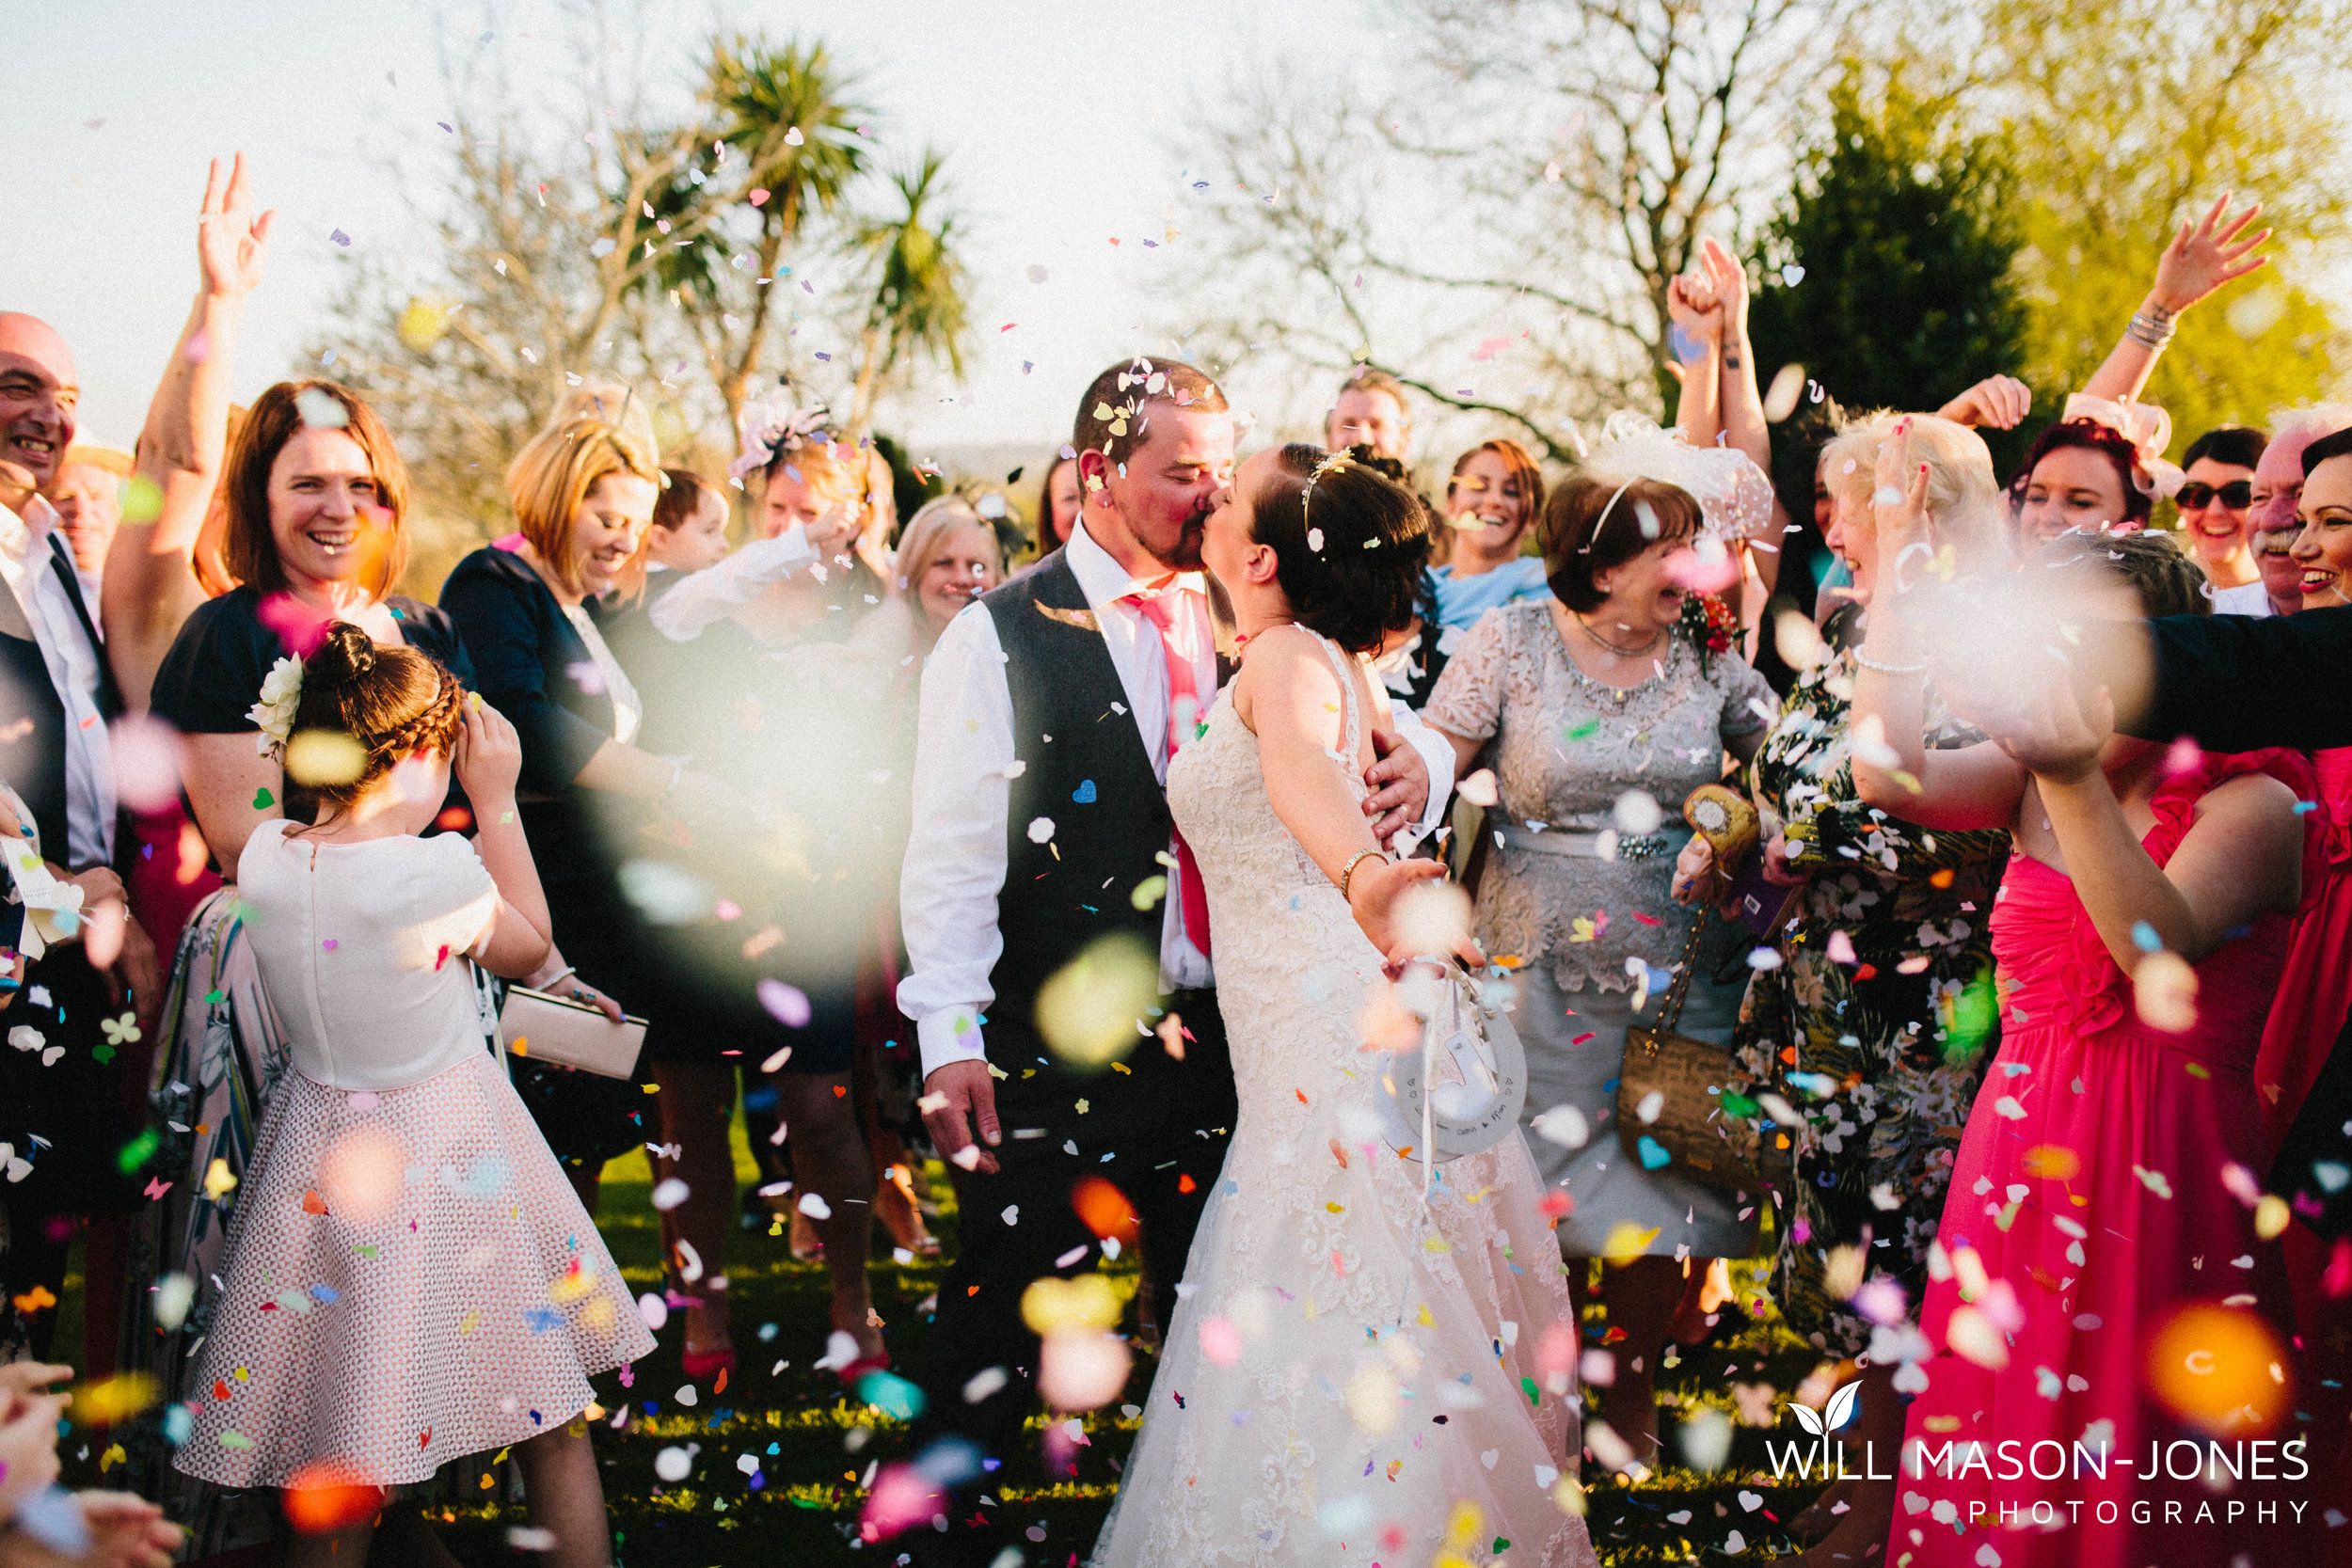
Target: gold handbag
(1688, 1105)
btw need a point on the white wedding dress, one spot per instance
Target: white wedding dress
(1346, 1369)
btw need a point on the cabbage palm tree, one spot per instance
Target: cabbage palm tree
(919, 306)
(781, 146)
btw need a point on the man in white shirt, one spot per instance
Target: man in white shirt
(1042, 839)
(57, 699)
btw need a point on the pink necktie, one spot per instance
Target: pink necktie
(1193, 896)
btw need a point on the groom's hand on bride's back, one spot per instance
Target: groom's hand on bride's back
(1400, 783)
(957, 1098)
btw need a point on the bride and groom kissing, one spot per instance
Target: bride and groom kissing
(1350, 1363)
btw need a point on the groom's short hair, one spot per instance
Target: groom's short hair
(1116, 411)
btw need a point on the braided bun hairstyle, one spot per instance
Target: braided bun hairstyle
(392, 700)
(1350, 541)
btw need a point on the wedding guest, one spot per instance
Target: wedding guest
(815, 507)
(2141, 929)
(317, 503)
(88, 496)
(583, 493)
(2277, 487)
(1494, 496)
(1582, 903)
(2217, 502)
(1882, 997)
(427, 1332)
(2084, 472)
(1057, 503)
(2103, 463)
(57, 700)
(2315, 989)
(947, 558)
(689, 527)
(1371, 410)
(779, 681)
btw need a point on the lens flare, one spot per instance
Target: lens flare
(2220, 1369)
(363, 1173)
(328, 1496)
(1090, 1009)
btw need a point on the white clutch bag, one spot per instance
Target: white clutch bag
(553, 1029)
(1461, 1093)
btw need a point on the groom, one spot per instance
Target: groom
(1049, 712)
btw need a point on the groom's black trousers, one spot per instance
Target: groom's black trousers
(978, 1324)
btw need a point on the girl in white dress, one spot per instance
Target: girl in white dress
(1350, 1376)
(410, 1278)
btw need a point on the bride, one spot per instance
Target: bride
(1351, 1374)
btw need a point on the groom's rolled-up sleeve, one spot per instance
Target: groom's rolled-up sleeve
(956, 855)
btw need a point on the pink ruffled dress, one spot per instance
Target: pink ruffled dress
(2089, 1205)
(409, 1277)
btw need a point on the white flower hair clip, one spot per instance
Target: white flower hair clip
(774, 422)
(282, 695)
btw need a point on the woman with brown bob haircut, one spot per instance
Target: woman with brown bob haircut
(316, 498)
(1577, 886)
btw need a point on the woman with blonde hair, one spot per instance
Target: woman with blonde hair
(947, 558)
(1873, 1015)
(583, 495)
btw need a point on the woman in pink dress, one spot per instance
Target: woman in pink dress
(2102, 1302)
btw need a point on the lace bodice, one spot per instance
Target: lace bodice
(1324, 1316)
(1564, 748)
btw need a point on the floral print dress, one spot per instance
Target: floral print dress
(1876, 1022)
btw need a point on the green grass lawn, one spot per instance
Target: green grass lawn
(812, 1448)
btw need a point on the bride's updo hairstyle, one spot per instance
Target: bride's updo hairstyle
(392, 700)
(1349, 540)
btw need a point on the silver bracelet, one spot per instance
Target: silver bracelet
(1869, 664)
(2149, 332)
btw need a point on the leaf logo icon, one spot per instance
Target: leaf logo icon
(1806, 1418)
(1842, 1405)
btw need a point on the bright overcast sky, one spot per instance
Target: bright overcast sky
(1059, 118)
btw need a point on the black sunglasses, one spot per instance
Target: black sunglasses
(2237, 495)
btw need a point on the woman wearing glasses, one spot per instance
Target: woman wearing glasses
(2217, 519)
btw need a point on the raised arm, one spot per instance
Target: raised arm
(1973, 786)
(2202, 258)
(150, 585)
(1741, 401)
(1695, 316)
(2241, 858)
(2000, 402)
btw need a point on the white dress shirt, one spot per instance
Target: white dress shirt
(2249, 599)
(963, 768)
(700, 599)
(29, 564)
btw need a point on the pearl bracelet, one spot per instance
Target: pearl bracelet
(1869, 664)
